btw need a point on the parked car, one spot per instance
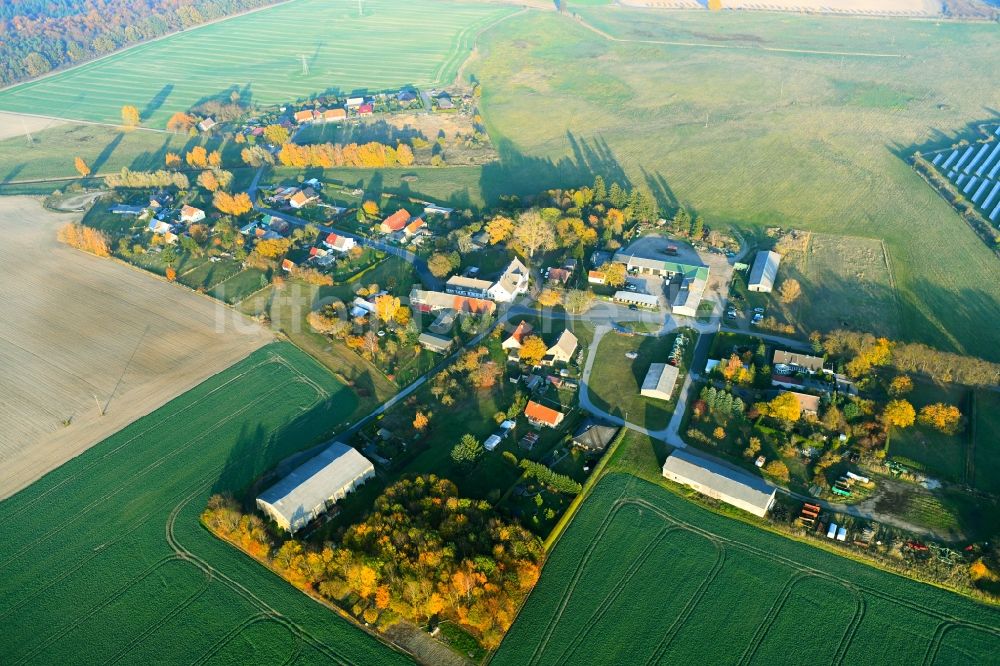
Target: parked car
(759, 311)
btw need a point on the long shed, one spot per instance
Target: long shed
(713, 479)
(764, 271)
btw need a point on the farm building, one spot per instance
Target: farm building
(723, 483)
(640, 300)
(395, 222)
(434, 301)
(764, 271)
(540, 415)
(434, 209)
(685, 294)
(803, 362)
(313, 486)
(593, 437)
(659, 382)
(334, 115)
(562, 350)
(415, 227)
(435, 343)
(467, 286)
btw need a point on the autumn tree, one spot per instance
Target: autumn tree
(85, 238)
(533, 232)
(786, 407)
(898, 413)
(900, 385)
(404, 155)
(232, 204)
(499, 229)
(777, 470)
(441, 264)
(753, 448)
(386, 307)
(197, 157)
(942, 417)
(370, 208)
(208, 181)
(578, 301)
(130, 116)
(215, 159)
(420, 421)
(273, 248)
(276, 135)
(180, 123)
(789, 290)
(550, 298)
(533, 349)
(256, 156)
(171, 273)
(81, 167)
(614, 274)
(172, 160)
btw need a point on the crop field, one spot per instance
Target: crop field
(105, 560)
(283, 53)
(83, 335)
(846, 283)
(642, 576)
(751, 135)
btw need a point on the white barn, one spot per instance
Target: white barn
(660, 381)
(715, 480)
(764, 271)
(314, 486)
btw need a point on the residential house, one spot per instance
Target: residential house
(512, 283)
(809, 404)
(277, 225)
(413, 228)
(190, 214)
(287, 265)
(593, 437)
(406, 97)
(159, 226)
(562, 351)
(660, 381)
(764, 271)
(354, 102)
(540, 415)
(334, 115)
(799, 362)
(595, 277)
(467, 286)
(444, 101)
(480, 240)
(559, 275)
(339, 243)
(438, 344)
(170, 238)
(361, 308)
(317, 252)
(444, 321)
(302, 198)
(395, 222)
(304, 116)
(207, 124)
(434, 301)
(517, 336)
(366, 110)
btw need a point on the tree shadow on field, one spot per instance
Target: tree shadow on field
(12, 174)
(941, 139)
(157, 101)
(105, 154)
(518, 174)
(661, 191)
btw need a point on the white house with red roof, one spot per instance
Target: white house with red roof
(190, 214)
(395, 222)
(339, 243)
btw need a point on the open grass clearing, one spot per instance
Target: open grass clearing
(605, 578)
(987, 442)
(105, 559)
(84, 334)
(935, 453)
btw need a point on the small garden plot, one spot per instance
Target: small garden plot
(209, 272)
(241, 285)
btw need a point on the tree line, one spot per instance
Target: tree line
(329, 155)
(37, 36)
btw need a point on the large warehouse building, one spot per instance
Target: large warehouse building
(735, 487)
(315, 485)
(764, 271)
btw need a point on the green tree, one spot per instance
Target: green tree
(600, 190)
(468, 451)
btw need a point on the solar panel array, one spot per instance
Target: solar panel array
(975, 172)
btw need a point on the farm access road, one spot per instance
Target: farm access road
(81, 335)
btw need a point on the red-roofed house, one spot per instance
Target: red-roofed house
(317, 252)
(413, 227)
(334, 115)
(190, 214)
(303, 197)
(540, 415)
(560, 275)
(595, 277)
(304, 116)
(339, 243)
(287, 265)
(517, 337)
(366, 110)
(395, 222)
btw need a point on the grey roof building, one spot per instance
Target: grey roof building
(314, 486)
(660, 381)
(764, 271)
(803, 361)
(594, 437)
(715, 480)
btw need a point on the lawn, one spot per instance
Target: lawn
(615, 380)
(757, 137)
(281, 54)
(986, 458)
(642, 576)
(939, 455)
(104, 559)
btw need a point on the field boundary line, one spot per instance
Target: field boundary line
(861, 608)
(233, 633)
(892, 280)
(736, 47)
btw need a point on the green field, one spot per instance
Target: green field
(757, 137)
(643, 576)
(939, 455)
(395, 43)
(986, 456)
(105, 560)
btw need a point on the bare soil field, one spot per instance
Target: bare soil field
(16, 124)
(80, 335)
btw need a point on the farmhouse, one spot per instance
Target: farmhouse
(334, 115)
(809, 404)
(513, 282)
(287, 265)
(302, 198)
(719, 482)
(435, 343)
(764, 271)
(206, 124)
(660, 381)
(540, 415)
(517, 337)
(413, 228)
(339, 243)
(634, 298)
(395, 222)
(799, 362)
(562, 351)
(190, 214)
(595, 277)
(433, 301)
(312, 487)
(304, 116)
(593, 437)
(466, 286)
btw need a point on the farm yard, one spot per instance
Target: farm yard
(287, 52)
(84, 335)
(757, 138)
(643, 576)
(105, 559)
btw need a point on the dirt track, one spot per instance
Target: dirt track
(71, 323)
(16, 124)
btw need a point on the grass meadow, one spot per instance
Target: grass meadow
(754, 137)
(394, 43)
(104, 559)
(643, 576)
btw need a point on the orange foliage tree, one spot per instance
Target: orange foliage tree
(81, 167)
(232, 204)
(85, 238)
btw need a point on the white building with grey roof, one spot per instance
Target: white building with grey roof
(764, 271)
(314, 486)
(715, 480)
(660, 381)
